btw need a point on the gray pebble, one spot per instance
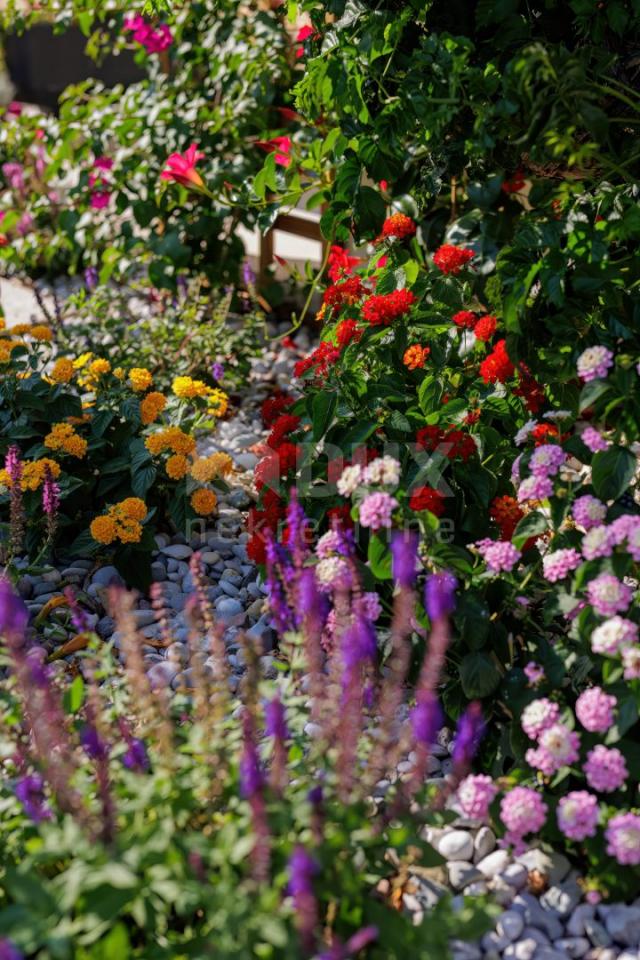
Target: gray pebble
(510, 925)
(522, 950)
(106, 576)
(177, 551)
(554, 866)
(494, 863)
(573, 946)
(576, 922)
(227, 587)
(456, 845)
(562, 899)
(229, 611)
(623, 924)
(484, 843)
(462, 873)
(161, 674)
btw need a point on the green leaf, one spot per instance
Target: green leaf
(479, 675)
(379, 557)
(323, 410)
(101, 421)
(591, 392)
(142, 479)
(612, 471)
(74, 695)
(530, 526)
(369, 210)
(516, 299)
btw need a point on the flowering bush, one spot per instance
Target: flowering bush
(85, 189)
(95, 459)
(477, 380)
(135, 826)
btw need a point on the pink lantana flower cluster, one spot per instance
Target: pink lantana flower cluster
(594, 363)
(594, 710)
(499, 555)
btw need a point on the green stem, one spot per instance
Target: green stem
(312, 289)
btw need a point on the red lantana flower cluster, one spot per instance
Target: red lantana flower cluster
(506, 513)
(545, 433)
(347, 292)
(485, 328)
(260, 522)
(466, 319)
(275, 465)
(320, 360)
(399, 225)
(273, 406)
(381, 309)
(283, 426)
(453, 443)
(340, 517)
(529, 389)
(341, 264)
(514, 184)
(451, 259)
(497, 366)
(426, 498)
(347, 332)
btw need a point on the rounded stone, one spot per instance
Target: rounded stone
(484, 843)
(574, 947)
(456, 845)
(105, 576)
(177, 551)
(161, 674)
(462, 873)
(494, 863)
(510, 925)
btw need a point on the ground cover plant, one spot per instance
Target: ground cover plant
(84, 189)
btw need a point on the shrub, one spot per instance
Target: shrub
(98, 200)
(89, 452)
(492, 327)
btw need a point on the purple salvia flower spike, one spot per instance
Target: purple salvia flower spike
(439, 595)
(404, 557)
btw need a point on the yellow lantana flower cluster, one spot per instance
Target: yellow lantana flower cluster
(80, 362)
(177, 466)
(171, 438)
(95, 369)
(140, 379)
(186, 388)
(205, 469)
(33, 474)
(152, 406)
(39, 331)
(121, 522)
(204, 501)
(6, 348)
(63, 437)
(62, 370)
